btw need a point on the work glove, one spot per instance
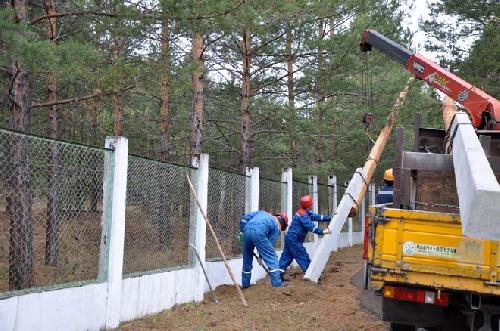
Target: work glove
(240, 236)
(327, 231)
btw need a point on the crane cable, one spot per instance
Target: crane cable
(367, 84)
(367, 88)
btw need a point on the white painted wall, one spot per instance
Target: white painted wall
(149, 294)
(74, 308)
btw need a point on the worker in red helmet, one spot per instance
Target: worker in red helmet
(260, 230)
(302, 223)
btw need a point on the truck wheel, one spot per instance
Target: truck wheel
(401, 327)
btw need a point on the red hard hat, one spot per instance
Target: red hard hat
(284, 217)
(306, 201)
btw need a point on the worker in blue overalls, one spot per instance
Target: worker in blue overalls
(260, 230)
(385, 193)
(302, 222)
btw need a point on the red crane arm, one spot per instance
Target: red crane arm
(475, 100)
(483, 108)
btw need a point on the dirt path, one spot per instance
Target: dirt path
(333, 304)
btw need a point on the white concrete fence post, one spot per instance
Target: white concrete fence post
(113, 225)
(362, 214)
(253, 192)
(332, 182)
(313, 191)
(199, 177)
(332, 194)
(313, 186)
(350, 231)
(287, 196)
(287, 177)
(371, 197)
(349, 236)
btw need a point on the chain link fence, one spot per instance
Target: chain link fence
(158, 216)
(50, 211)
(272, 195)
(226, 205)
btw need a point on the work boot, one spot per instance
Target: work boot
(285, 277)
(283, 284)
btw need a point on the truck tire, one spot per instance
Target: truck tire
(454, 321)
(401, 327)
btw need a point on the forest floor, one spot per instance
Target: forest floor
(332, 304)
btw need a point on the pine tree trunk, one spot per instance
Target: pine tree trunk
(54, 199)
(19, 202)
(331, 101)
(331, 25)
(289, 64)
(320, 92)
(164, 93)
(117, 46)
(163, 218)
(94, 195)
(246, 118)
(197, 98)
(117, 115)
(291, 96)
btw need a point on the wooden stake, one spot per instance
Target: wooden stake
(242, 297)
(378, 148)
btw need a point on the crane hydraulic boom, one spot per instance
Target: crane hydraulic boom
(484, 109)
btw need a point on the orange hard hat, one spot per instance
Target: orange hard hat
(388, 175)
(283, 219)
(306, 201)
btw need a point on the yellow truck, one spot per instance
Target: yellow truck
(428, 274)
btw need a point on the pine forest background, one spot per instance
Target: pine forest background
(260, 83)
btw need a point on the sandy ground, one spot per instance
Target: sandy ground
(333, 304)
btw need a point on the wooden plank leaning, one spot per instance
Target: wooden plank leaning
(238, 289)
(355, 192)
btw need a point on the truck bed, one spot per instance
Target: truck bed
(428, 248)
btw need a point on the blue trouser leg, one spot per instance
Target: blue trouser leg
(248, 247)
(266, 250)
(300, 254)
(286, 257)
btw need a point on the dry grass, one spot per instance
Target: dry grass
(333, 304)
